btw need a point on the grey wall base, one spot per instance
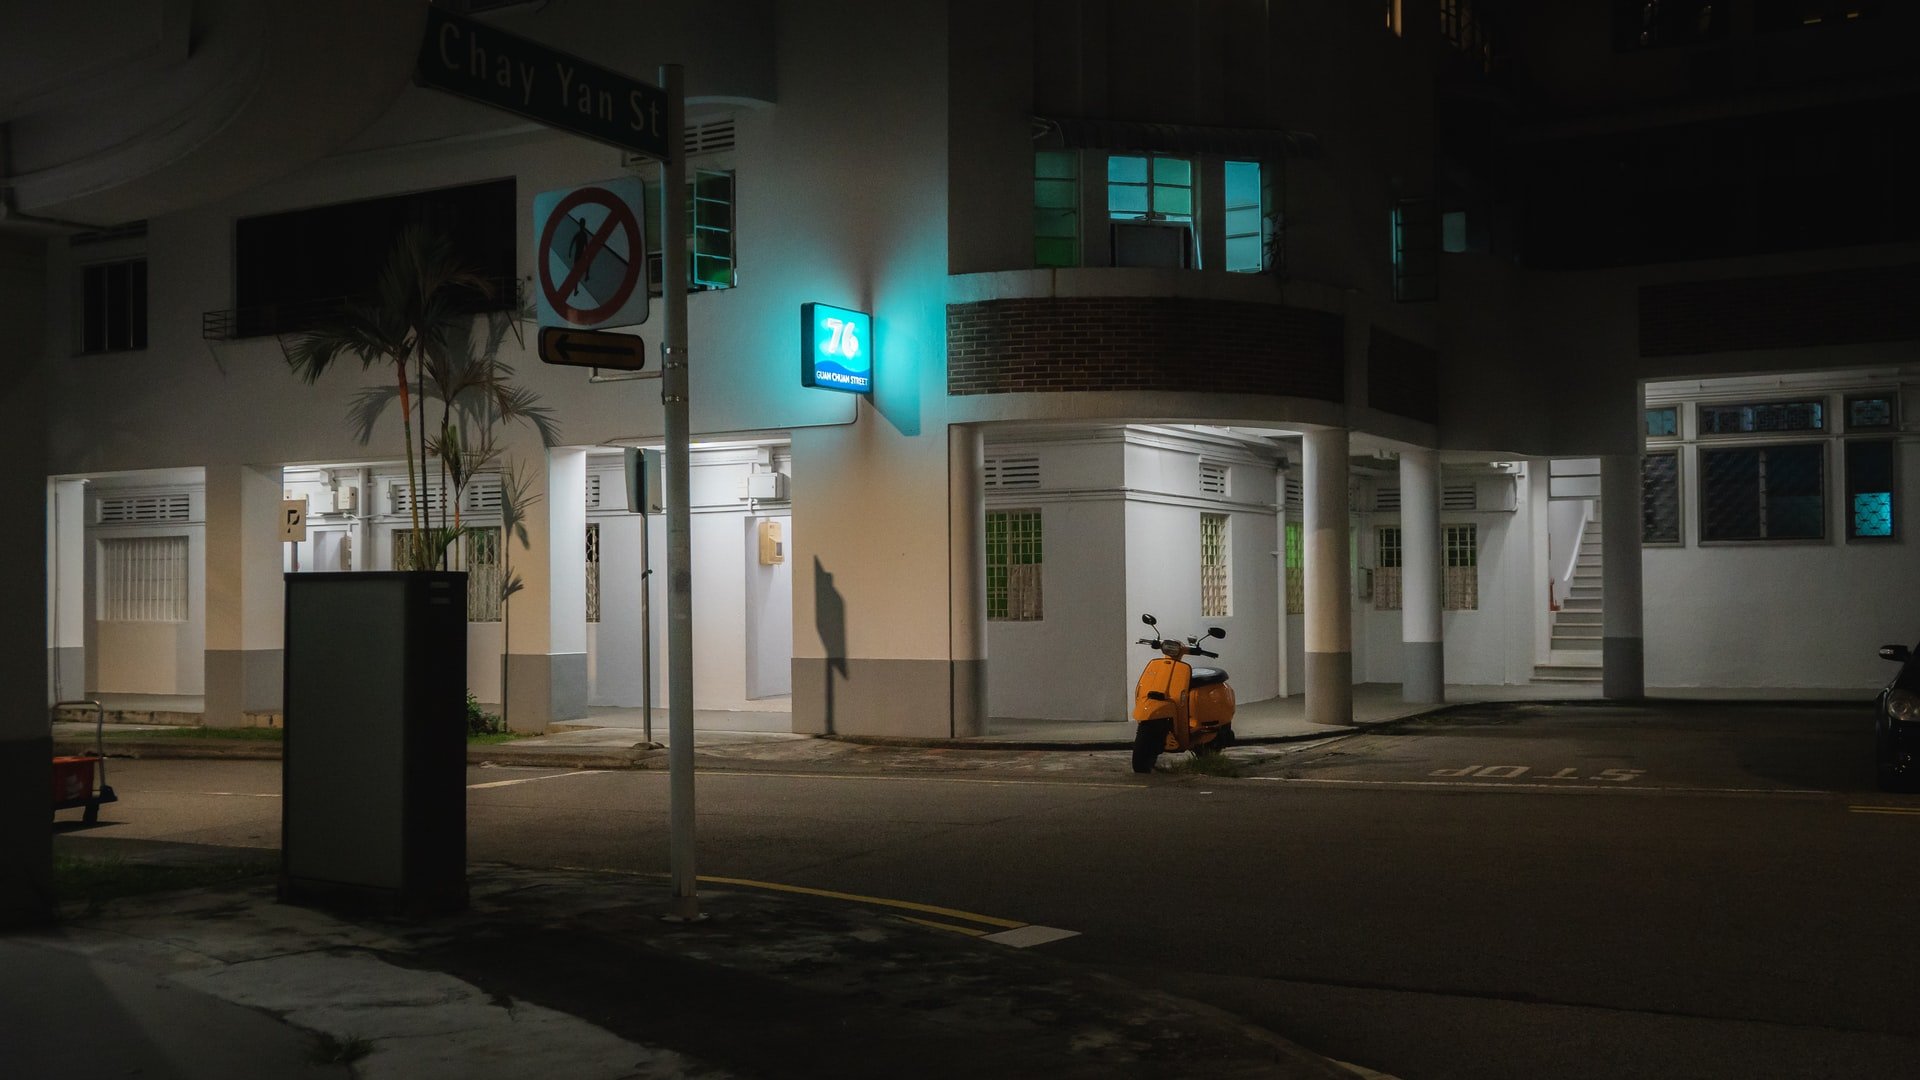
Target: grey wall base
(545, 687)
(1425, 682)
(1330, 688)
(930, 699)
(240, 681)
(66, 674)
(26, 844)
(1623, 670)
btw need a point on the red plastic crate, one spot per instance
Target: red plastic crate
(72, 780)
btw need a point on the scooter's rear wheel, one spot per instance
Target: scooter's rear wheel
(1149, 738)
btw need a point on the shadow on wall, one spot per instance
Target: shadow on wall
(830, 619)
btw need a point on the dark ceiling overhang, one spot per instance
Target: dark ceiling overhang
(1255, 144)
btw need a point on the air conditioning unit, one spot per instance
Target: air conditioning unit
(765, 487)
(1164, 244)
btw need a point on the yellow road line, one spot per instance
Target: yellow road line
(1884, 809)
(905, 905)
(967, 930)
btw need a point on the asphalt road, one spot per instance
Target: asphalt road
(1514, 892)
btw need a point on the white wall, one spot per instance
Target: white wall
(147, 657)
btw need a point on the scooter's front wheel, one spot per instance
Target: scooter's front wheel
(1149, 738)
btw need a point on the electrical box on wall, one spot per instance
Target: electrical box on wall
(765, 487)
(773, 550)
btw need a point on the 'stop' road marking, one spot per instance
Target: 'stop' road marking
(529, 779)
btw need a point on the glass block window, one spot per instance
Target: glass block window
(1013, 565)
(593, 571)
(1870, 413)
(1870, 489)
(1246, 218)
(1416, 254)
(1663, 422)
(1216, 600)
(113, 306)
(1763, 493)
(1386, 571)
(1149, 188)
(477, 552)
(1460, 585)
(1296, 566)
(1764, 417)
(143, 579)
(1056, 208)
(1660, 498)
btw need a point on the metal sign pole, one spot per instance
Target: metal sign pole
(646, 627)
(677, 477)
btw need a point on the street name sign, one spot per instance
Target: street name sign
(592, 348)
(474, 60)
(592, 255)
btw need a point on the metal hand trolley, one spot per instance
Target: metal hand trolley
(81, 779)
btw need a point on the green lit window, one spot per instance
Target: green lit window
(1416, 257)
(1870, 489)
(1056, 208)
(1013, 565)
(1149, 188)
(1246, 219)
(710, 247)
(1296, 571)
(1663, 422)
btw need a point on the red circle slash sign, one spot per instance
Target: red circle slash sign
(619, 219)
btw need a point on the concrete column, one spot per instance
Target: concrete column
(66, 590)
(1622, 644)
(1329, 585)
(26, 844)
(246, 593)
(547, 620)
(966, 578)
(1420, 587)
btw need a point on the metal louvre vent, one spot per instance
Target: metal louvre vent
(712, 137)
(1294, 494)
(400, 497)
(1012, 472)
(593, 490)
(1459, 497)
(1386, 500)
(1213, 478)
(145, 509)
(482, 494)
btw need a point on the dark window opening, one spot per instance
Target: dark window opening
(1870, 489)
(1763, 493)
(113, 307)
(1660, 498)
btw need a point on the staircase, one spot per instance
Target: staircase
(1577, 625)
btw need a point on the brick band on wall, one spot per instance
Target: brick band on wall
(1841, 307)
(1070, 344)
(1403, 377)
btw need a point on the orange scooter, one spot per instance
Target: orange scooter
(1180, 707)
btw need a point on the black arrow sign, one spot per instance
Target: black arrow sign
(592, 348)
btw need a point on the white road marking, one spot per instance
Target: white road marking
(1026, 937)
(240, 794)
(530, 779)
(1510, 786)
(1884, 809)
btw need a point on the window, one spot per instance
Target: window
(1762, 417)
(1763, 493)
(143, 579)
(113, 306)
(1296, 571)
(1771, 15)
(1663, 422)
(1149, 188)
(1386, 571)
(710, 247)
(1870, 413)
(477, 552)
(1056, 208)
(1660, 498)
(1394, 22)
(1216, 601)
(1869, 489)
(1415, 256)
(1013, 565)
(1246, 218)
(593, 571)
(1460, 588)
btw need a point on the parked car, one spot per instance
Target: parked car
(1896, 726)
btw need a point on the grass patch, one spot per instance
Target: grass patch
(1206, 765)
(494, 738)
(241, 734)
(94, 881)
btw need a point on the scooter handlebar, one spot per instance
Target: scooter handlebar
(1203, 652)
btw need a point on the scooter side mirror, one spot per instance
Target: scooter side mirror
(1148, 619)
(1215, 631)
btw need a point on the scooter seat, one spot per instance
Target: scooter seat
(1207, 676)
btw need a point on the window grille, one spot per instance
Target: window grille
(1012, 472)
(1296, 566)
(1460, 587)
(1762, 417)
(143, 579)
(1869, 488)
(1386, 571)
(113, 306)
(145, 509)
(1245, 217)
(593, 572)
(1213, 479)
(1416, 254)
(1216, 601)
(1056, 208)
(477, 552)
(1013, 565)
(1660, 498)
(1663, 422)
(1763, 493)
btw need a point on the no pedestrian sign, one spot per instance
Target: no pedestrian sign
(592, 255)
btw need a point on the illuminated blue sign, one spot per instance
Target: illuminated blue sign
(836, 348)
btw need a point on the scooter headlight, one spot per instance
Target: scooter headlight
(1904, 705)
